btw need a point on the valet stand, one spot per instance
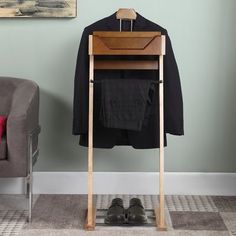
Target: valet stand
(105, 43)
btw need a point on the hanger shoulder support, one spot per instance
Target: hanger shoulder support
(126, 14)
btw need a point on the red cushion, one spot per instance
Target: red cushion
(3, 121)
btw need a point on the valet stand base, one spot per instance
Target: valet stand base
(91, 226)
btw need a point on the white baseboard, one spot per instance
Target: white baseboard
(186, 183)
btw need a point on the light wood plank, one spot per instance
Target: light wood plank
(163, 44)
(161, 149)
(90, 222)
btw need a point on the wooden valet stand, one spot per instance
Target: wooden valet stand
(105, 43)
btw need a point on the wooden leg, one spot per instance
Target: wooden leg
(90, 214)
(162, 227)
(90, 227)
(90, 223)
(161, 211)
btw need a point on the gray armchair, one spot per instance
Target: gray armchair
(19, 101)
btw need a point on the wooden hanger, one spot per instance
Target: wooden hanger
(126, 14)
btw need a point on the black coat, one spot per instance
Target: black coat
(148, 137)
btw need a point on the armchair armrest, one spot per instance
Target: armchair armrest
(25, 104)
(23, 120)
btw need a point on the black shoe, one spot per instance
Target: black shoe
(116, 213)
(136, 213)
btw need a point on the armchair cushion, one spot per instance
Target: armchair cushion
(3, 149)
(3, 120)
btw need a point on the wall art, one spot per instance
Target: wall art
(37, 8)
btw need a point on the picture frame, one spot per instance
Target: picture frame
(38, 8)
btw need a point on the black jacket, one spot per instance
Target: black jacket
(108, 137)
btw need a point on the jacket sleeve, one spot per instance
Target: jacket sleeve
(81, 87)
(173, 101)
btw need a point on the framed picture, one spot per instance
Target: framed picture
(38, 8)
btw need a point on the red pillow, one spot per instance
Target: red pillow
(3, 121)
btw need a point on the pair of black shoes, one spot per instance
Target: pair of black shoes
(118, 215)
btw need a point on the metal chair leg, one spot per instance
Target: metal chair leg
(26, 187)
(32, 159)
(30, 179)
(29, 196)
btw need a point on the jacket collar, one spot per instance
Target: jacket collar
(114, 25)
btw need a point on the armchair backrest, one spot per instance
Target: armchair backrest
(7, 87)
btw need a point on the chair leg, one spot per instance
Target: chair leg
(29, 196)
(26, 187)
(30, 180)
